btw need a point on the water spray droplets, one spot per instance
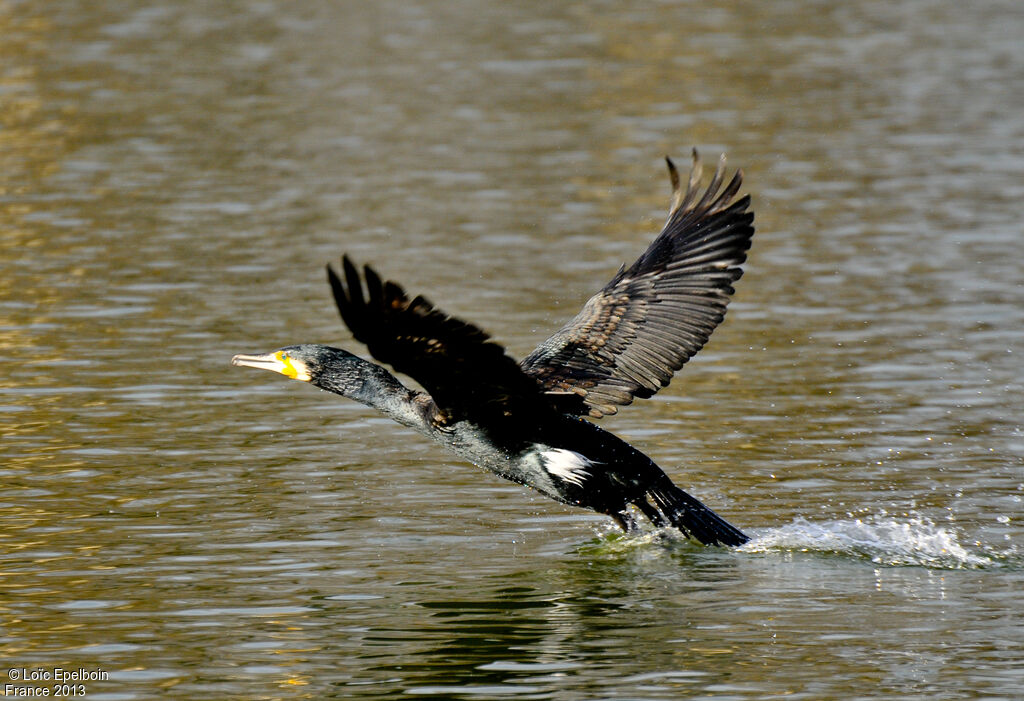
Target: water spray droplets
(884, 540)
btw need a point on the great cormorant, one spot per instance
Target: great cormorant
(523, 421)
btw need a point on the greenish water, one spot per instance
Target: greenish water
(173, 178)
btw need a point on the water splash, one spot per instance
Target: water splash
(915, 541)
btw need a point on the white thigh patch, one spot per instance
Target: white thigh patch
(567, 465)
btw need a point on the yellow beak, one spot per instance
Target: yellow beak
(278, 361)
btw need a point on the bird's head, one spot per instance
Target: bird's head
(331, 369)
(307, 362)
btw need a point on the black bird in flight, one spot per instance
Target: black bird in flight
(523, 421)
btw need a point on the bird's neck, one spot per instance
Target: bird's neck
(372, 385)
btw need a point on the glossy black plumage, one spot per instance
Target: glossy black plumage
(466, 374)
(521, 420)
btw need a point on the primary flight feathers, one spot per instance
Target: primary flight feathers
(626, 342)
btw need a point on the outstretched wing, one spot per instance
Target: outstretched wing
(631, 337)
(466, 374)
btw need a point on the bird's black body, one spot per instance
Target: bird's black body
(522, 420)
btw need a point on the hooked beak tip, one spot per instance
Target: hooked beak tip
(267, 362)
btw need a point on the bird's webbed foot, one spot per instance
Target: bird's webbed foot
(625, 521)
(652, 514)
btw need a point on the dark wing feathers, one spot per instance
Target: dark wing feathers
(626, 342)
(652, 317)
(466, 374)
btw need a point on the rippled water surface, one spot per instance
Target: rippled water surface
(173, 177)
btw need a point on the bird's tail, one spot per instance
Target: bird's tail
(692, 517)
